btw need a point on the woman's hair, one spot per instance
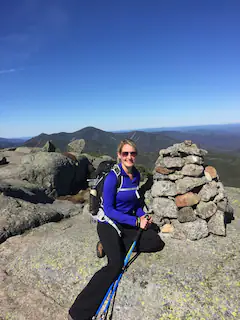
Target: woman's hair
(126, 141)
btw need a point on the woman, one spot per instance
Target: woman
(123, 208)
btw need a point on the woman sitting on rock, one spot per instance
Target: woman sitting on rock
(121, 205)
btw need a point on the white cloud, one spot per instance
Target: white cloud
(7, 71)
(3, 71)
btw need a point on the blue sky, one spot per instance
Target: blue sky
(67, 64)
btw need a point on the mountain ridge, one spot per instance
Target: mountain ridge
(223, 148)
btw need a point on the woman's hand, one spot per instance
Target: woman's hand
(145, 222)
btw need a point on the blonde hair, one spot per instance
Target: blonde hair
(126, 141)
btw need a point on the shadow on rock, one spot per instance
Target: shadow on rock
(4, 161)
(36, 197)
(26, 225)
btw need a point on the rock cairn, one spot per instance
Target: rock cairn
(187, 198)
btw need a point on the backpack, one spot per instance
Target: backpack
(96, 190)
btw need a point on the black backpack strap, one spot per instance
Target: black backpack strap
(117, 170)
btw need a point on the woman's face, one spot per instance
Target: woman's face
(127, 155)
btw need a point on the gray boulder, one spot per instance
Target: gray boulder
(49, 147)
(55, 172)
(96, 161)
(52, 171)
(76, 146)
(27, 150)
(22, 209)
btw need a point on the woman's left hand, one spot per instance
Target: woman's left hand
(150, 220)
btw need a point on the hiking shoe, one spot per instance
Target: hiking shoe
(100, 251)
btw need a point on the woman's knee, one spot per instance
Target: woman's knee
(151, 242)
(159, 243)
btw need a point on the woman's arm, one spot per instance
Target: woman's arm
(109, 198)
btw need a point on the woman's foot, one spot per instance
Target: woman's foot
(100, 251)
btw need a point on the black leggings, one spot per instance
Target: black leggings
(115, 247)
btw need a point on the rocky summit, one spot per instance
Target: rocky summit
(47, 252)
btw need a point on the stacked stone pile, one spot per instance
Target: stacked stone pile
(187, 197)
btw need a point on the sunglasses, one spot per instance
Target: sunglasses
(126, 153)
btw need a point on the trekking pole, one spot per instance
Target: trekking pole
(112, 289)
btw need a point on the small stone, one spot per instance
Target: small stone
(163, 188)
(188, 142)
(206, 209)
(195, 230)
(178, 230)
(49, 147)
(191, 150)
(172, 150)
(175, 176)
(208, 176)
(222, 205)
(164, 221)
(188, 183)
(175, 162)
(178, 234)
(164, 207)
(192, 170)
(212, 171)
(220, 187)
(167, 228)
(163, 170)
(186, 214)
(229, 208)
(3, 161)
(208, 191)
(193, 160)
(220, 196)
(216, 224)
(187, 200)
(158, 176)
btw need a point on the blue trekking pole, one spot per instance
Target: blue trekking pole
(112, 289)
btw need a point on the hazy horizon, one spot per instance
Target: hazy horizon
(221, 125)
